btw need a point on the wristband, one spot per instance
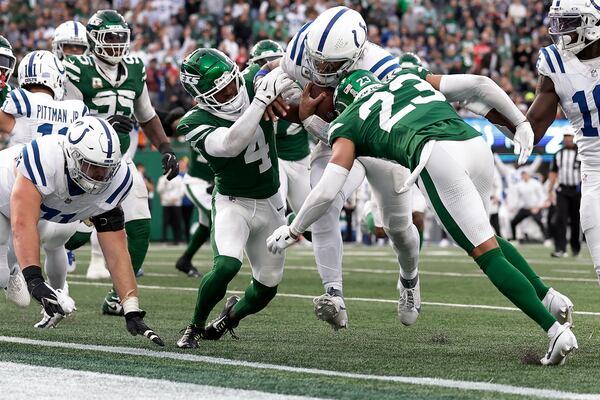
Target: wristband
(260, 74)
(32, 273)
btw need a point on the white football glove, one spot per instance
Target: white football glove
(523, 141)
(271, 86)
(280, 239)
(65, 301)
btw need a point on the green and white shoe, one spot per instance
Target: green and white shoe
(112, 304)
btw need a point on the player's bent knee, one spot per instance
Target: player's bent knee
(227, 267)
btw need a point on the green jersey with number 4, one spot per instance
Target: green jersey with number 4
(102, 97)
(395, 121)
(199, 167)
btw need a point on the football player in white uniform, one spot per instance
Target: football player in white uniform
(113, 85)
(569, 76)
(68, 178)
(70, 39)
(30, 112)
(321, 52)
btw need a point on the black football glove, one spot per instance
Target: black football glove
(137, 326)
(169, 161)
(40, 290)
(120, 123)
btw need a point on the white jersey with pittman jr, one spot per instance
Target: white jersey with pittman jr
(375, 59)
(38, 114)
(43, 162)
(577, 84)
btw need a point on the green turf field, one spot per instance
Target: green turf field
(468, 336)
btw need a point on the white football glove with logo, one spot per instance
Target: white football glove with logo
(523, 141)
(280, 239)
(271, 86)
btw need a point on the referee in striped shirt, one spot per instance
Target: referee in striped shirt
(565, 170)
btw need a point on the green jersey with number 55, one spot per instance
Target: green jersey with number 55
(396, 119)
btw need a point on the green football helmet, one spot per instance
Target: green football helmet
(264, 51)
(409, 60)
(108, 36)
(356, 84)
(205, 72)
(7, 61)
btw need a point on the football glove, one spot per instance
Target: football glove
(280, 239)
(523, 141)
(122, 124)
(136, 326)
(40, 291)
(271, 86)
(169, 161)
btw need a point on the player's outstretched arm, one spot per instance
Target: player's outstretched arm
(157, 136)
(229, 142)
(542, 112)
(320, 197)
(113, 241)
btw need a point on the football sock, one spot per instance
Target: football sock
(256, 297)
(514, 286)
(420, 239)
(55, 266)
(516, 259)
(327, 245)
(77, 240)
(138, 240)
(406, 247)
(200, 236)
(214, 286)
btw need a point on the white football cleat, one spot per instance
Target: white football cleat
(16, 291)
(331, 308)
(97, 269)
(47, 321)
(559, 305)
(409, 303)
(561, 344)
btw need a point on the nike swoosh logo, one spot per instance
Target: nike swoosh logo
(280, 208)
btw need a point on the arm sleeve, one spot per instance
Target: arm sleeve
(320, 197)
(476, 88)
(142, 107)
(230, 142)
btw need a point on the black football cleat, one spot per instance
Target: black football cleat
(191, 336)
(184, 264)
(223, 323)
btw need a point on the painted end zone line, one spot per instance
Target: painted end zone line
(445, 383)
(305, 296)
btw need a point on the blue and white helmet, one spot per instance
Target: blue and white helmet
(43, 68)
(70, 33)
(93, 155)
(334, 43)
(574, 24)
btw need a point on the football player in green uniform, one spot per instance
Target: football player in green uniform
(7, 66)
(226, 127)
(409, 122)
(292, 139)
(113, 86)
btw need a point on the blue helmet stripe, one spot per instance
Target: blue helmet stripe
(28, 165)
(16, 101)
(561, 66)
(113, 196)
(388, 70)
(109, 152)
(328, 28)
(30, 66)
(27, 103)
(293, 54)
(76, 28)
(38, 163)
(596, 6)
(380, 63)
(547, 55)
(300, 52)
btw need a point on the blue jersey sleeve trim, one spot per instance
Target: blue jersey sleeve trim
(113, 196)
(27, 103)
(388, 70)
(328, 28)
(380, 63)
(126, 192)
(38, 162)
(17, 103)
(561, 65)
(548, 60)
(28, 165)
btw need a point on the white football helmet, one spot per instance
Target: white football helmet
(93, 155)
(41, 67)
(335, 41)
(70, 33)
(574, 24)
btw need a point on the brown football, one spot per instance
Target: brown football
(325, 109)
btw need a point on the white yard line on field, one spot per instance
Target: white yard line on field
(306, 296)
(60, 383)
(436, 382)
